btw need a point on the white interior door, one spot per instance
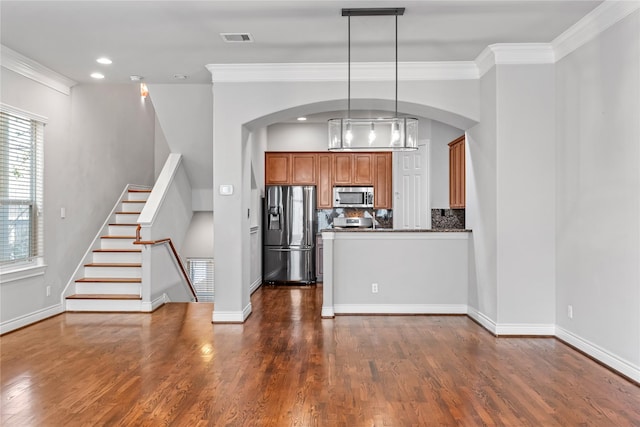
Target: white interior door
(411, 207)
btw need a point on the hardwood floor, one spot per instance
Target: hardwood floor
(287, 367)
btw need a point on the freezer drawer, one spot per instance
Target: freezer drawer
(289, 265)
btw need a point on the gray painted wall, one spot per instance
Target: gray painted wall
(481, 211)
(97, 140)
(598, 190)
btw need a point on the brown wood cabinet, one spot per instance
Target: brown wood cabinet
(277, 168)
(303, 168)
(342, 168)
(290, 168)
(325, 170)
(382, 180)
(324, 186)
(457, 173)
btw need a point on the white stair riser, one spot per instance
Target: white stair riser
(123, 230)
(138, 196)
(117, 244)
(126, 218)
(103, 305)
(131, 207)
(117, 257)
(119, 272)
(108, 288)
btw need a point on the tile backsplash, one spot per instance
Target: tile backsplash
(382, 218)
(447, 219)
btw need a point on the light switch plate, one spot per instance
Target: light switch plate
(226, 189)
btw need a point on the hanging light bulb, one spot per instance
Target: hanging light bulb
(372, 134)
(348, 134)
(395, 133)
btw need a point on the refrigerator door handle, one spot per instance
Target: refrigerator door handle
(290, 250)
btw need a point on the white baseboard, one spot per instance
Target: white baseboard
(399, 309)
(621, 365)
(482, 319)
(231, 316)
(153, 305)
(327, 312)
(255, 285)
(27, 319)
(533, 329)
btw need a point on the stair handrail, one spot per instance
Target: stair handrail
(175, 254)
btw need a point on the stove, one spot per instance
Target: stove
(354, 222)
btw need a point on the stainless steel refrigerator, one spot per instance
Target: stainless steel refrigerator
(289, 234)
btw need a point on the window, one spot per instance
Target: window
(201, 274)
(21, 167)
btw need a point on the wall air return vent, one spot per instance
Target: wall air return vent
(237, 37)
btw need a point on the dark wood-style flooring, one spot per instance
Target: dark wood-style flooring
(287, 367)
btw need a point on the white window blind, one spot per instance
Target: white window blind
(201, 275)
(21, 167)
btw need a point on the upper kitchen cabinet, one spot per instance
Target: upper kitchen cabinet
(457, 173)
(383, 181)
(363, 169)
(353, 169)
(303, 168)
(324, 188)
(290, 168)
(342, 168)
(277, 168)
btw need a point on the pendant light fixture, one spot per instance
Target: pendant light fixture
(377, 134)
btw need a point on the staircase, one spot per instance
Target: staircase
(112, 280)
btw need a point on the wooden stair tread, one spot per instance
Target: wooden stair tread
(106, 296)
(117, 250)
(123, 225)
(109, 280)
(134, 201)
(112, 264)
(118, 237)
(138, 190)
(127, 213)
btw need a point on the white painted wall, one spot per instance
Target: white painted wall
(297, 137)
(256, 105)
(184, 113)
(97, 140)
(161, 149)
(198, 242)
(598, 195)
(416, 272)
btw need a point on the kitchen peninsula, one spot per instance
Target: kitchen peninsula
(387, 271)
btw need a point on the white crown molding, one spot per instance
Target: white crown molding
(514, 54)
(595, 22)
(361, 71)
(18, 63)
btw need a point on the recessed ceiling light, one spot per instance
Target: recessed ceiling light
(237, 37)
(302, 119)
(104, 61)
(135, 78)
(97, 75)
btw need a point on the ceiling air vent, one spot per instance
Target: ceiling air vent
(237, 37)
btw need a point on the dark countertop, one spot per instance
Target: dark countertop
(391, 230)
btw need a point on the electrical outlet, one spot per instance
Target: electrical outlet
(48, 291)
(374, 288)
(570, 311)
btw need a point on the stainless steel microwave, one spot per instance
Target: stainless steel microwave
(352, 197)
